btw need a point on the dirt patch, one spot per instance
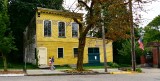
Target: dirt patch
(11, 72)
(80, 72)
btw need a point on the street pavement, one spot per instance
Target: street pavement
(42, 72)
(46, 72)
(149, 74)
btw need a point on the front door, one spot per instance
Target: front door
(93, 56)
(42, 56)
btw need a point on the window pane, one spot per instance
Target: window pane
(47, 28)
(74, 30)
(60, 52)
(61, 28)
(75, 52)
(96, 50)
(90, 50)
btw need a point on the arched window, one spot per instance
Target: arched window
(61, 29)
(47, 28)
(74, 29)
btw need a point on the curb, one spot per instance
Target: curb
(123, 72)
(58, 74)
(66, 74)
(7, 75)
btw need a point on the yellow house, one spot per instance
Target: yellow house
(54, 33)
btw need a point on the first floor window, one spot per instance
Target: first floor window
(60, 52)
(47, 28)
(75, 50)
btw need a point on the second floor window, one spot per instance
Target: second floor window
(74, 30)
(61, 29)
(47, 28)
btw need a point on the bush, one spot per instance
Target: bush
(113, 65)
(138, 70)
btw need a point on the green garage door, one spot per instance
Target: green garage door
(93, 55)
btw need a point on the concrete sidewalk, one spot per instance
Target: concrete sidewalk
(42, 72)
(47, 72)
(38, 72)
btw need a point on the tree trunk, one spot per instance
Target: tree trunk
(81, 46)
(4, 62)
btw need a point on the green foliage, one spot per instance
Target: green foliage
(19, 66)
(6, 42)
(1, 6)
(129, 69)
(126, 49)
(155, 22)
(53, 4)
(125, 52)
(113, 65)
(152, 30)
(139, 70)
(151, 34)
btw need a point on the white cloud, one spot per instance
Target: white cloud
(152, 10)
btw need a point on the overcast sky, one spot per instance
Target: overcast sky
(152, 10)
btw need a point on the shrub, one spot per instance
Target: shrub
(113, 65)
(138, 70)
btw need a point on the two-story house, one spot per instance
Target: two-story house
(54, 33)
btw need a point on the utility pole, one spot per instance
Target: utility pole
(104, 44)
(132, 37)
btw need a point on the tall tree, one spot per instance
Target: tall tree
(6, 42)
(113, 14)
(126, 53)
(152, 30)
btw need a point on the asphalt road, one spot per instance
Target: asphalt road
(149, 75)
(104, 77)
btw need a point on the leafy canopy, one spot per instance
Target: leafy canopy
(152, 30)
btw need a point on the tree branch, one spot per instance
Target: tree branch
(85, 4)
(80, 24)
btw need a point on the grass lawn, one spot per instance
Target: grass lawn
(86, 66)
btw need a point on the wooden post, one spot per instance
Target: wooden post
(132, 37)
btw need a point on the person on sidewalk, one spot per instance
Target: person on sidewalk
(52, 63)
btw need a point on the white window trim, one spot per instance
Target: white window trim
(43, 28)
(58, 28)
(63, 52)
(77, 31)
(73, 51)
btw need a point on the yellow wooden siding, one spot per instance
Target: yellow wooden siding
(53, 43)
